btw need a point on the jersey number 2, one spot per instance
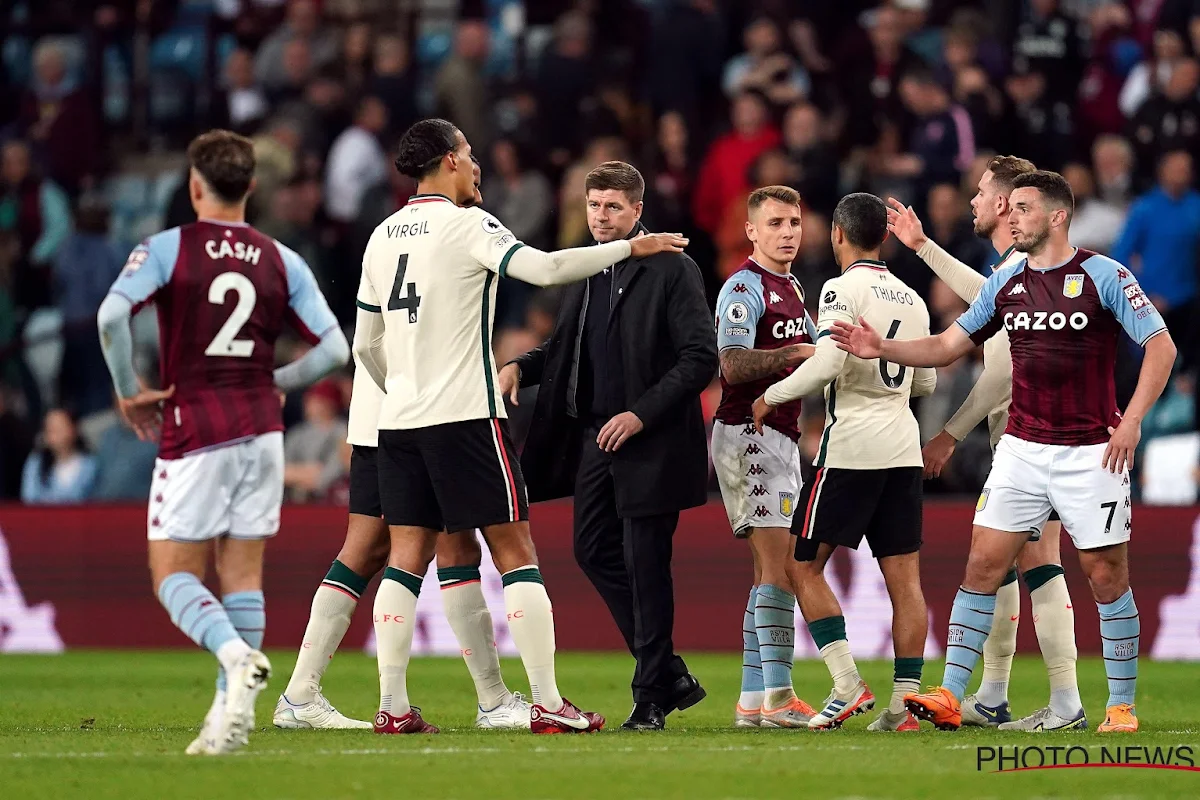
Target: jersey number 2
(889, 380)
(224, 343)
(410, 301)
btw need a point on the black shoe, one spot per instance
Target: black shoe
(646, 717)
(684, 693)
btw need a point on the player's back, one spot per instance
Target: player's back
(221, 307)
(869, 424)
(431, 269)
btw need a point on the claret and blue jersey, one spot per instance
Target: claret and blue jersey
(1064, 324)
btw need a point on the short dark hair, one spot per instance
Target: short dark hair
(863, 219)
(422, 147)
(1054, 188)
(225, 161)
(619, 176)
(784, 194)
(1006, 169)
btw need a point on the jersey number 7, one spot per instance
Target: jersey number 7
(410, 301)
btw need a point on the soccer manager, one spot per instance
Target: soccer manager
(618, 424)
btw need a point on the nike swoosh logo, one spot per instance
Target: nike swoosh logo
(1068, 606)
(1014, 619)
(578, 723)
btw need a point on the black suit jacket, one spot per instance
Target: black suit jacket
(669, 354)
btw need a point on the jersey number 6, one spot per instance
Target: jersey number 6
(891, 381)
(411, 301)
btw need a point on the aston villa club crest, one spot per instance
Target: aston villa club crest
(1073, 286)
(787, 504)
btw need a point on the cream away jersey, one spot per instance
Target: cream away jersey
(431, 270)
(868, 422)
(365, 402)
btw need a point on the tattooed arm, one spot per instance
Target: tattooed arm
(739, 365)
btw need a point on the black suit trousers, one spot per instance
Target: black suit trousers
(629, 563)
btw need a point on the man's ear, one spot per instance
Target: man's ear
(751, 233)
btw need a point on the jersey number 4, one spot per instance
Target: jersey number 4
(225, 342)
(411, 301)
(889, 380)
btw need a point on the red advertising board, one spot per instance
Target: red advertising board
(78, 576)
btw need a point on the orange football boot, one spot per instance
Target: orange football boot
(938, 706)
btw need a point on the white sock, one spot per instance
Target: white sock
(471, 621)
(531, 621)
(231, 654)
(1054, 622)
(1000, 646)
(395, 620)
(751, 700)
(841, 666)
(900, 688)
(327, 624)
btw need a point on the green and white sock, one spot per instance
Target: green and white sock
(531, 622)
(906, 679)
(471, 621)
(830, 637)
(1001, 644)
(395, 621)
(332, 607)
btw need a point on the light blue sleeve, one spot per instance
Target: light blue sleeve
(148, 268)
(56, 223)
(739, 307)
(979, 321)
(810, 326)
(1121, 294)
(310, 313)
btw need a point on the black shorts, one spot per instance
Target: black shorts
(1054, 517)
(364, 482)
(841, 507)
(456, 476)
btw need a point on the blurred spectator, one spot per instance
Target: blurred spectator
(1048, 43)
(354, 68)
(1095, 223)
(950, 227)
(302, 24)
(312, 448)
(16, 442)
(276, 154)
(669, 188)
(124, 465)
(296, 67)
(1152, 76)
(461, 93)
(357, 161)
(772, 168)
(765, 67)
(60, 471)
(518, 194)
(565, 79)
(38, 213)
(942, 143)
(724, 171)
(1114, 52)
(292, 221)
(685, 60)
(869, 76)
(815, 160)
(1161, 242)
(59, 118)
(815, 265)
(1112, 166)
(242, 103)
(84, 269)
(1042, 124)
(1169, 120)
(393, 82)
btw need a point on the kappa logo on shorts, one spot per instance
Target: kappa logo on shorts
(758, 491)
(761, 511)
(752, 450)
(756, 469)
(787, 503)
(983, 498)
(749, 430)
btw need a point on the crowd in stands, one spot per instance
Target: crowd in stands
(709, 98)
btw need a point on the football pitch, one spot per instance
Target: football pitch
(115, 724)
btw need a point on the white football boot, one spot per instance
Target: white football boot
(512, 715)
(244, 682)
(206, 740)
(319, 714)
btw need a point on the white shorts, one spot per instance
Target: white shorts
(759, 476)
(235, 490)
(1030, 479)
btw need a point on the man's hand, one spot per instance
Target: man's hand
(618, 430)
(760, 409)
(652, 243)
(143, 412)
(905, 225)
(936, 453)
(510, 382)
(1118, 456)
(863, 342)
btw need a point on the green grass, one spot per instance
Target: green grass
(145, 708)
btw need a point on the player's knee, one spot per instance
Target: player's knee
(985, 571)
(1108, 580)
(459, 549)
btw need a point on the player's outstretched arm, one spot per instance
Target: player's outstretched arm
(368, 345)
(906, 226)
(567, 266)
(810, 377)
(865, 342)
(739, 365)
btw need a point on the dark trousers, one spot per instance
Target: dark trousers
(629, 563)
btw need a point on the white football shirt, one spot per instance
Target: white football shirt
(431, 270)
(366, 399)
